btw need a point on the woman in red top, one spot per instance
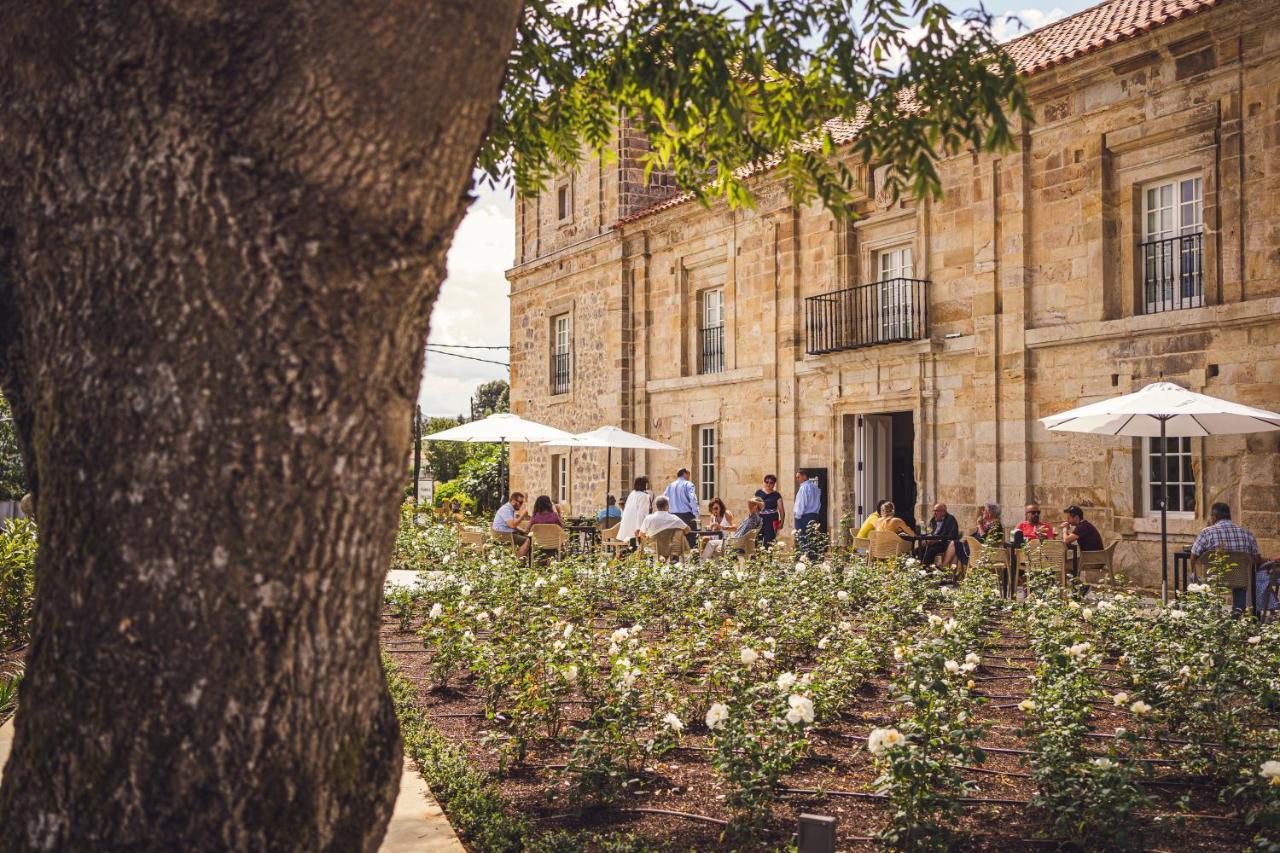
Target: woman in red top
(544, 512)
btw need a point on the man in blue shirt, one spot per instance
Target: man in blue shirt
(611, 513)
(806, 509)
(507, 519)
(684, 502)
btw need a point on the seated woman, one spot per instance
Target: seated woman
(544, 512)
(988, 531)
(870, 524)
(889, 521)
(750, 525)
(721, 518)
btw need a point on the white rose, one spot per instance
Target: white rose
(1177, 614)
(1120, 698)
(571, 672)
(673, 722)
(748, 656)
(968, 667)
(767, 655)
(465, 590)
(1197, 587)
(1026, 706)
(972, 658)
(1139, 707)
(1078, 649)
(951, 667)
(899, 652)
(949, 626)
(1253, 641)
(786, 681)
(824, 642)
(881, 741)
(564, 590)
(1103, 763)
(1185, 672)
(800, 568)
(842, 595)
(498, 611)
(568, 630)
(1270, 770)
(716, 715)
(437, 610)
(845, 626)
(1086, 614)
(935, 619)
(708, 606)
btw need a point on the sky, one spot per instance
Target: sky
(473, 307)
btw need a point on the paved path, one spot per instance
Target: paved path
(417, 824)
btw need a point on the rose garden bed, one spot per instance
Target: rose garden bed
(588, 704)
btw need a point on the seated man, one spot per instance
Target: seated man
(1076, 529)
(1223, 534)
(1032, 527)
(507, 519)
(946, 528)
(610, 515)
(659, 520)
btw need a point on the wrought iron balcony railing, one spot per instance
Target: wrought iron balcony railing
(879, 313)
(560, 372)
(1173, 273)
(711, 349)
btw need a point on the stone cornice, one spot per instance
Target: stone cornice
(705, 380)
(1234, 315)
(572, 250)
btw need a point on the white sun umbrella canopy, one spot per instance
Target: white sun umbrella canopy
(610, 437)
(1164, 410)
(501, 428)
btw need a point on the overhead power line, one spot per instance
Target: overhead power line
(471, 346)
(432, 349)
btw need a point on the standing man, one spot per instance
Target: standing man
(773, 514)
(683, 500)
(807, 506)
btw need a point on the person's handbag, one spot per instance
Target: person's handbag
(777, 525)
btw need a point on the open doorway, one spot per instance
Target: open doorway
(884, 463)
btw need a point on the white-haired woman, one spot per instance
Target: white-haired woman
(988, 531)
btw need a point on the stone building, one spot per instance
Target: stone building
(1132, 236)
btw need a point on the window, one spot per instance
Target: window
(711, 332)
(707, 462)
(560, 478)
(1172, 247)
(561, 354)
(1180, 473)
(564, 202)
(895, 271)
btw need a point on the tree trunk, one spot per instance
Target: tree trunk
(222, 228)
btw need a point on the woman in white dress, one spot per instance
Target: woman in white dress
(638, 505)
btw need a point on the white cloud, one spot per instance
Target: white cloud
(1013, 24)
(472, 307)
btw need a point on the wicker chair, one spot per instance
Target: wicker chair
(507, 539)
(547, 538)
(1239, 573)
(610, 542)
(669, 543)
(861, 545)
(886, 544)
(743, 546)
(472, 539)
(995, 556)
(1098, 561)
(1053, 552)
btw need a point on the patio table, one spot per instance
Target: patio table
(920, 543)
(586, 533)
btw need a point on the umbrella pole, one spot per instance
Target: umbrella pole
(608, 461)
(1164, 521)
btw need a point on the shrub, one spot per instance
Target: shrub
(17, 581)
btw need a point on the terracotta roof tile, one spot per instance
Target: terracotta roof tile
(1077, 35)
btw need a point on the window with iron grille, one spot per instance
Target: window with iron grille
(1172, 248)
(564, 203)
(1176, 469)
(711, 332)
(561, 354)
(706, 462)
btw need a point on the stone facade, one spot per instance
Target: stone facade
(1033, 301)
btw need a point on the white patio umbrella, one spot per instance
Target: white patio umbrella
(501, 428)
(1164, 410)
(610, 437)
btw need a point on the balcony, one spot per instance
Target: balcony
(711, 349)
(883, 312)
(560, 372)
(1173, 273)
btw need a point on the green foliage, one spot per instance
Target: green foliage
(10, 678)
(443, 458)
(480, 479)
(455, 492)
(13, 477)
(492, 397)
(714, 89)
(17, 580)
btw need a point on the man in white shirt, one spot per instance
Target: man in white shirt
(660, 519)
(506, 519)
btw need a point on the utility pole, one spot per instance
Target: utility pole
(417, 450)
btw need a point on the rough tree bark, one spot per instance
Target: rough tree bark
(222, 228)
